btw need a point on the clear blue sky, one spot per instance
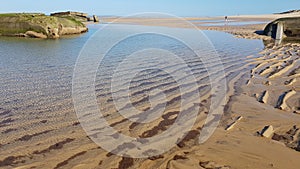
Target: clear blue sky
(175, 7)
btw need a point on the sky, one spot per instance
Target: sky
(174, 7)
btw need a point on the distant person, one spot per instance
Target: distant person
(226, 18)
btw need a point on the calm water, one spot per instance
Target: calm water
(36, 75)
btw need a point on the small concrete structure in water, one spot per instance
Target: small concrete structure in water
(284, 28)
(279, 31)
(82, 17)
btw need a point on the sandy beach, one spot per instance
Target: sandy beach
(241, 31)
(266, 95)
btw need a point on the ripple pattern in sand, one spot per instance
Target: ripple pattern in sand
(38, 121)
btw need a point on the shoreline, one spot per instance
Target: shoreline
(268, 95)
(248, 31)
(243, 31)
(274, 80)
(237, 143)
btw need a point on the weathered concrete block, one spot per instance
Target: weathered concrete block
(284, 28)
(96, 18)
(279, 31)
(35, 35)
(90, 18)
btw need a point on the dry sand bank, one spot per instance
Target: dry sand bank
(242, 31)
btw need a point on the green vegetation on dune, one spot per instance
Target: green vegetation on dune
(21, 14)
(69, 21)
(51, 26)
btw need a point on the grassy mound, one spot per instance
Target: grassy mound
(19, 23)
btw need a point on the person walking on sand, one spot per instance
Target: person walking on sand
(226, 20)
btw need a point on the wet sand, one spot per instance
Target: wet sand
(269, 94)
